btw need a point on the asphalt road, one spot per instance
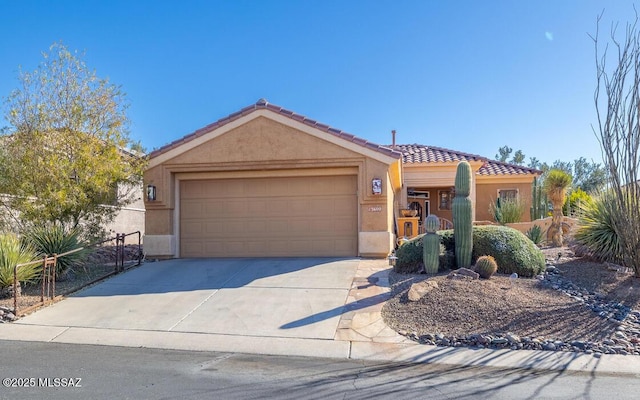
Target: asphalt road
(136, 373)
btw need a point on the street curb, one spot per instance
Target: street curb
(321, 348)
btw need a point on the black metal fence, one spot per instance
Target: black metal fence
(117, 252)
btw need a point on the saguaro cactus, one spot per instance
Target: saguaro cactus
(431, 245)
(538, 201)
(462, 223)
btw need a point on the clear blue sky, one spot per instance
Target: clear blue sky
(466, 75)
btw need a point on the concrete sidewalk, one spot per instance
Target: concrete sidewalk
(358, 331)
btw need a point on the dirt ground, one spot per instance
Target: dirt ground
(526, 307)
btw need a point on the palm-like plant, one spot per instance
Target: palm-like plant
(555, 185)
(12, 253)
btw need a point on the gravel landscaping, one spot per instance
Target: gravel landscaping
(576, 305)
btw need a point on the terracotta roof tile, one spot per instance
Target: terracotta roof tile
(263, 104)
(418, 154)
(493, 167)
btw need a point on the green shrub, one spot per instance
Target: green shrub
(595, 231)
(535, 234)
(512, 250)
(56, 239)
(410, 257)
(486, 266)
(576, 201)
(12, 253)
(507, 211)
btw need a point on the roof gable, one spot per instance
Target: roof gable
(266, 109)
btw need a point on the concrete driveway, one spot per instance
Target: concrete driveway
(283, 297)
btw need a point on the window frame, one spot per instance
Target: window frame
(502, 198)
(449, 200)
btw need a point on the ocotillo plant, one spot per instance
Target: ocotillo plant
(462, 223)
(431, 245)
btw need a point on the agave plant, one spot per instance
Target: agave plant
(596, 230)
(534, 234)
(55, 239)
(12, 253)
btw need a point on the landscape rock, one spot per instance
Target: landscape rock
(467, 272)
(420, 289)
(513, 339)
(624, 341)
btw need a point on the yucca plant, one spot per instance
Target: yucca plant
(555, 185)
(55, 239)
(12, 253)
(596, 230)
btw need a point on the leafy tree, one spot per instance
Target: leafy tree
(588, 176)
(534, 163)
(566, 166)
(64, 153)
(503, 153)
(518, 158)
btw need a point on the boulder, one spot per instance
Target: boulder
(419, 289)
(467, 272)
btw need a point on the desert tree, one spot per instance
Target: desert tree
(617, 103)
(65, 157)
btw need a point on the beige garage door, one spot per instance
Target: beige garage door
(269, 217)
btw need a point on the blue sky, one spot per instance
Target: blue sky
(461, 74)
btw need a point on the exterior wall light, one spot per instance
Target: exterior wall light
(151, 192)
(392, 259)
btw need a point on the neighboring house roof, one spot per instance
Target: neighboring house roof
(421, 154)
(263, 104)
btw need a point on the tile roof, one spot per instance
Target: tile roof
(418, 154)
(263, 104)
(493, 167)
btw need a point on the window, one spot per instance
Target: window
(444, 199)
(508, 194)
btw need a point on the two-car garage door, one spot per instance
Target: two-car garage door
(269, 217)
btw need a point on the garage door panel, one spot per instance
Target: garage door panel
(257, 207)
(344, 226)
(192, 209)
(310, 216)
(215, 228)
(298, 207)
(346, 245)
(193, 229)
(277, 226)
(298, 227)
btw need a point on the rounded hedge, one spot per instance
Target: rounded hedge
(512, 250)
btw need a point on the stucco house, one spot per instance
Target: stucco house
(266, 181)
